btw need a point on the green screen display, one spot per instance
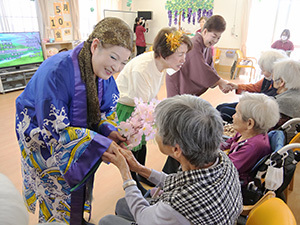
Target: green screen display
(20, 48)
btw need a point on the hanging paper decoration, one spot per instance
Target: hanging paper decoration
(210, 13)
(198, 14)
(190, 9)
(189, 15)
(183, 15)
(175, 17)
(194, 18)
(204, 13)
(170, 17)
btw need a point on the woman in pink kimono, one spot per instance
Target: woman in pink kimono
(198, 73)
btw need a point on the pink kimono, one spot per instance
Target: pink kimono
(197, 73)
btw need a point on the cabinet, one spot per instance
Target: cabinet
(14, 79)
(50, 49)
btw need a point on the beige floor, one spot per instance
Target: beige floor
(108, 185)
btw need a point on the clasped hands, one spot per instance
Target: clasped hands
(123, 159)
(226, 86)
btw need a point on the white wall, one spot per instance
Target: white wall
(231, 10)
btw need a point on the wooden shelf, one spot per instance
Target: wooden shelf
(50, 49)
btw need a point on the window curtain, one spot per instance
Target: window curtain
(4, 24)
(18, 16)
(75, 15)
(261, 26)
(44, 22)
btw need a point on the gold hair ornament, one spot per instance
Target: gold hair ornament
(174, 40)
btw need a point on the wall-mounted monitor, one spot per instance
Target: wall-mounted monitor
(147, 15)
(20, 48)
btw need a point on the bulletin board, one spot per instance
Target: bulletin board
(127, 16)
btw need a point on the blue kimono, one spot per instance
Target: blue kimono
(59, 154)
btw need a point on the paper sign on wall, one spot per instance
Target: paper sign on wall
(52, 22)
(67, 32)
(66, 9)
(60, 21)
(57, 8)
(58, 35)
(68, 24)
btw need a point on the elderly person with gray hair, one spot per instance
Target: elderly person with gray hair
(265, 85)
(206, 188)
(287, 81)
(255, 114)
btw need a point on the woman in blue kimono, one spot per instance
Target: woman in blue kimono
(65, 121)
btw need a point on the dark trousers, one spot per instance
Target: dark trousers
(227, 110)
(140, 156)
(140, 50)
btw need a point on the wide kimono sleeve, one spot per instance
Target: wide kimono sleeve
(110, 96)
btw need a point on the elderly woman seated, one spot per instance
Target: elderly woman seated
(287, 81)
(206, 190)
(255, 115)
(265, 85)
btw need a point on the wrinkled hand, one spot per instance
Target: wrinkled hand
(133, 164)
(112, 146)
(233, 86)
(113, 155)
(224, 86)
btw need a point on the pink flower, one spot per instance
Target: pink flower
(141, 122)
(135, 140)
(125, 129)
(146, 129)
(138, 101)
(151, 135)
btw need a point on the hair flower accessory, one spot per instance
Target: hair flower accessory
(140, 123)
(174, 40)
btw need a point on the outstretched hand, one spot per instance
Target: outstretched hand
(224, 86)
(233, 86)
